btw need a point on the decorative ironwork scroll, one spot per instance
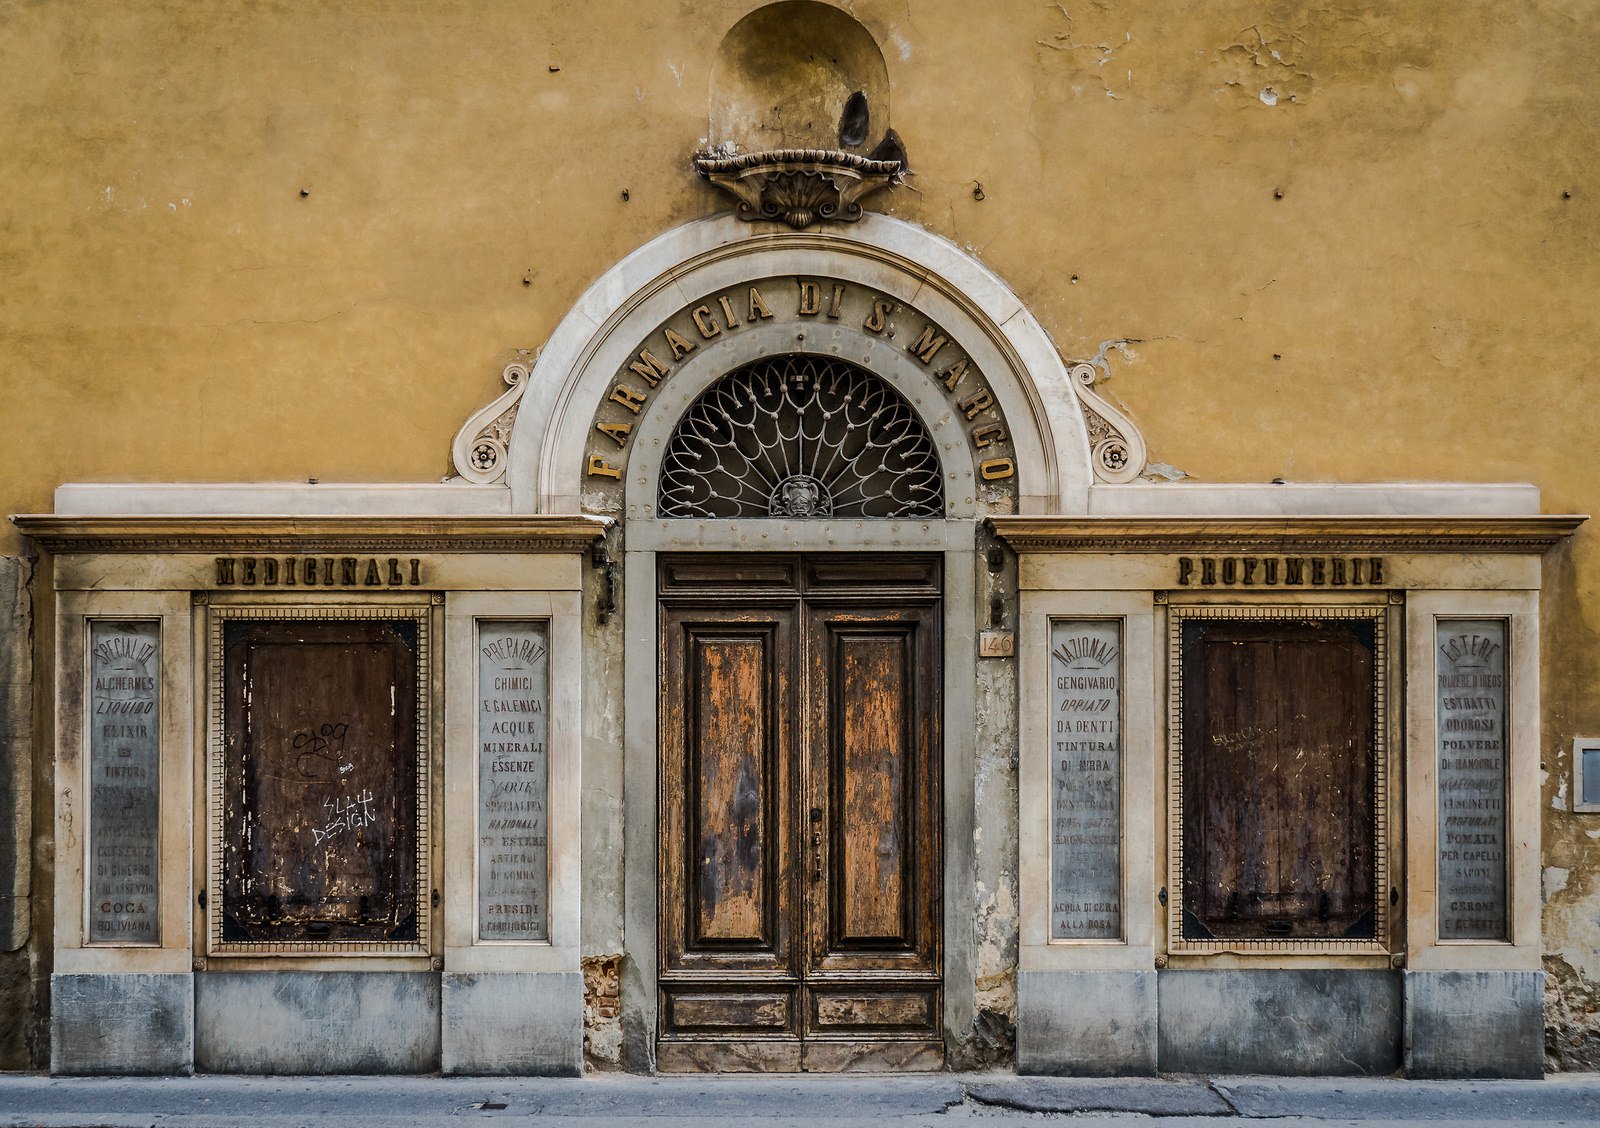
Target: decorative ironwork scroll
(801, 436)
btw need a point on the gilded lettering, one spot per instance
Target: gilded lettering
(810, 299)
(269, 571)
(1294, 571)
(758, 306)
(630, 398)
(952, 375)
(1319, 571)
(347, 569)
(649, 368)
(598, 468)
(289, 571)
(1338, 572)
(994, 469)
(974, 404)
(680, 346)
(416, 571)
(249, 569)
(374, 578)
(878, 319)
(1208, 571)
(225, 570)
(395, 578)
(1375, 570)
(1230, 570)
(701, 315)
(836, 303)
(927, 346)
(728, 315)
(988, 434)
(1271, 570)
(1250, 565)
(619, 432)
(1185, 571)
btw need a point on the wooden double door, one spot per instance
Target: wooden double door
(801, 867)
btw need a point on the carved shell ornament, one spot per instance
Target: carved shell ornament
(1116, 449)
(479, 451)
(799, 186)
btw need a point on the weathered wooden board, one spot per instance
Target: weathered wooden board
(320, 780)
(1278, 779)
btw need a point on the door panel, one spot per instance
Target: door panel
(800, 814)
(869, 820)
(725, 786)
(729, 748)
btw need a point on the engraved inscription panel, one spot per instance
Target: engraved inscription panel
(124, 722)
(1471, 709)
(1086, 780)
(513, 779)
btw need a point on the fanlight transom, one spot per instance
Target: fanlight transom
(805, 437)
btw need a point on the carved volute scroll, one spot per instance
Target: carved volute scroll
(1116, 449)
(479, 449)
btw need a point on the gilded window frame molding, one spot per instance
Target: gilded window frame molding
(1387, 821)
(423, 610)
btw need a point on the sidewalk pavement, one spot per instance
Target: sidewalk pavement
(878, 1101)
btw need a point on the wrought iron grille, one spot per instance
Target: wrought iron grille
(800, 436)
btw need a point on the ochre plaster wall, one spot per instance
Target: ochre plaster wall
(290, 240)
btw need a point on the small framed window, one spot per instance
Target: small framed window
(319, 780)
(1278, 778)
(1586, 774)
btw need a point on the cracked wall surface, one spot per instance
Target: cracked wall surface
(1320, 242)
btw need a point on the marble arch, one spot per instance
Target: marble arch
(574, 372)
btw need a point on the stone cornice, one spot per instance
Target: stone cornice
(292, 535)
(1532, 534)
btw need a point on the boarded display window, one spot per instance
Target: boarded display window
(1280, 779)
(318, 827)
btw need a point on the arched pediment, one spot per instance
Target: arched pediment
(902, 290)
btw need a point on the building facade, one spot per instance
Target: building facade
(813, 656)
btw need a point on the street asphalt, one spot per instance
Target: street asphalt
(931, 1100)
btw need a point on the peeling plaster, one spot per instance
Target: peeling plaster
(1555, 880)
